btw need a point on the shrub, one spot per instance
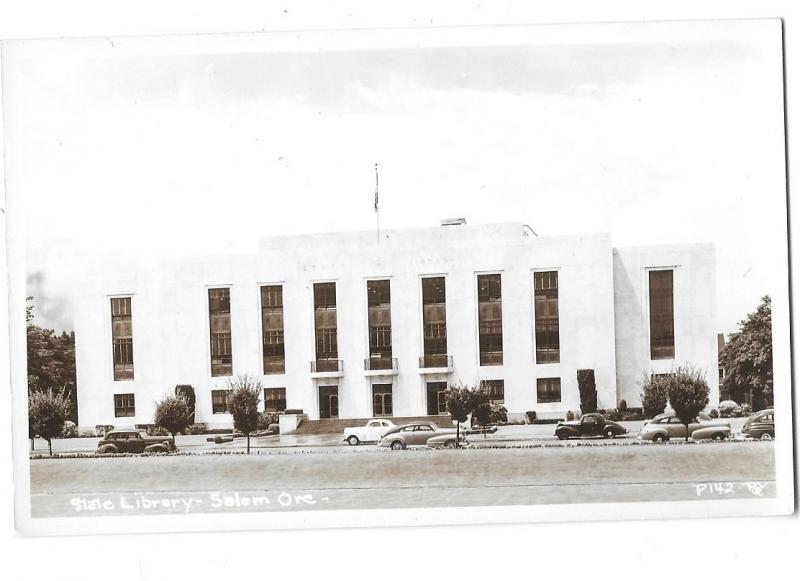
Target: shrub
(729, 409)
(570, 416)
(613, 415)
(293, 412)
(47, 413)
(633, 416)
(102, 429)
(587, 390)
(713, 413)
(86, 433)
(530, 416)
(196, 429)
(242, 403)
(187, 393)
(622, 406)
(746, 409)
(70, 430)
(654, 395)
(172, 413)
(688, 394)
(498, 414)
(158, 431)
(266, 419)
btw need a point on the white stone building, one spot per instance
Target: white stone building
(351, 325)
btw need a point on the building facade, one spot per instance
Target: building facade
(354, 325)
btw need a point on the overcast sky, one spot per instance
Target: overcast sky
(129, 149)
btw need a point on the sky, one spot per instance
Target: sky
(120, 151)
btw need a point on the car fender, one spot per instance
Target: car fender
(707, 432)
(652, 433)
(107, 449)
(569, 430)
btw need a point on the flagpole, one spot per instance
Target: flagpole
(377, 211)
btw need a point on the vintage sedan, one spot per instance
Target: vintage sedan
(415, 434)
(373, 431)
(134, 442)
(590, 425)
(760, 425)
(448, 440)
(667, 426)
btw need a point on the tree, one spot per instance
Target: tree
(187, 392)
(47, 412)
(482, 415)
(51, 360)
(172, 414)
(654, 395)
(242, 402)
(688, 394)
(587, 390)
(462, 401)
(747, 359)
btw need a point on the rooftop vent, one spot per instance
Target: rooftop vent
(454, 221)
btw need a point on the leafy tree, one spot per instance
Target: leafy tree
(587, 390)
(688, 394)
(747, 358)
(187, 392)
(51, 360)
(47, 412)
(172, 413)
(654, 395)
(242, 402)
(482, 415)
(462, 401)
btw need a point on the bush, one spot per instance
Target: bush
(570, 416)
(293, 412)
(654, 395)
(622, 406)
(158, 431)
(587, 390)
(187, 393)
(746, 409)
(70, 430)
(729, 409)
(86, 434)
(632, 416)
(266, 419)
(102, 429)
(713, 413)
(196, 429)
(688, 394)
(613, 415)
(531, 416)
(172, 413)
(498, 415)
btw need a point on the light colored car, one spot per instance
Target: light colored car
(372, 431)
(668, 426)
(447, 440)
(415, 434)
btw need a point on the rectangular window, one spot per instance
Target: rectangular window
(380, 322)
(122, 338)
(382, 399)
(219, 401)
(548, 390)
(548, 342)
(275, 399)
(325, 329)
(273, 350)
(219, 317)
(124, 405)
(662, 315)
(434, 322)
(496, 388)
(490, 319)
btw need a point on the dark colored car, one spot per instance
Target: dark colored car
(134, 442)
(760, 425)
(590, 425)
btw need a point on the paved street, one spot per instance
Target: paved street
(507, 435)
(283, 480)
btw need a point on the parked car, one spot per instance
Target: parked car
(447, 440)
(667, 426)
(134, 442)
(415, 434)
(760, 425)
(372, 431)
(590, 425)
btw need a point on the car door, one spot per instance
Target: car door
(590, 425)
(373, 431)
(136, 443)
(676, 428)
(422, 433)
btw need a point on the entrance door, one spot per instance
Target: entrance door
(328, 401)
(437, 405)
(382, 399)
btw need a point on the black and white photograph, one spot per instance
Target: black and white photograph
(385, 277)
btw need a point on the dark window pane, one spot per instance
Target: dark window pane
(662, 318)
(325, 295)
(219, 318)
(124, 405)
(496, 388)
(219, 401)
(122, 338)
(378, 293)
(548, 390)
(548, 341)
(274, 356)
(434, 317)
(275, 399)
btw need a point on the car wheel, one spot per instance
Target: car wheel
(397, 445)
(660, 439)
(562, 435)
(609, 433)
(766, 436)
(353, 440)
(718, 437)
(107, 450)
(450, 444)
